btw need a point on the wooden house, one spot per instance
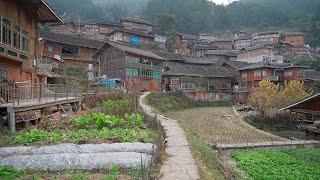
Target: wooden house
(262, 38)
(200, 82)
(67, 28)
(139, 69)
(228, 55)
(18, 37)
(251, 75)
(267, 53)
(307, 111)
(296, 39)
(131, 38)
(99, 31)
(243, 42)
(137, 25)
(66, 55)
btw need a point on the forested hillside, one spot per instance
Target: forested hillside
(246, 13)
(195, 16)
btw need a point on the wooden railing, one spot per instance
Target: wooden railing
(18, 93)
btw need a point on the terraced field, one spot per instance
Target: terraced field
(221, 125)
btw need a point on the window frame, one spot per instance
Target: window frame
(287, 73)
(257, 73)
(14, 38)
(188, 86)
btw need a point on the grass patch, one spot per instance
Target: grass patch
(173, 101)
(8, 173)
(286, 164)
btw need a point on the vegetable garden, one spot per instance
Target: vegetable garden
(280, 164)
(108, 121)
(112, 121)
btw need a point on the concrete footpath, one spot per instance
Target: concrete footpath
(180, 164)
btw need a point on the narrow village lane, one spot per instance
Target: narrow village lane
(180, 164)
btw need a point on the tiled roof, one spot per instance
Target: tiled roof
(131, 32)
(69, 39)
(138, 21)
(198, 60)
(130, 49)
(187, 59)
(206, 47)
(170, 56)
(179, 69)
(237, 64)
(223, 52)
(267, 33)
(273, 66)
(313, 75)
(44, 12)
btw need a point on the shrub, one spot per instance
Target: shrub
(135, 120)
(83, 122)
(174, 101)
(103, 121)
(33, 135)
(10, 173)
(118, 107)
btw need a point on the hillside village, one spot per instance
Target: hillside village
(52, 70)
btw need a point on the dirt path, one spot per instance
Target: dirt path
(180, 163)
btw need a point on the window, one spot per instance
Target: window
(145, 74)
(6, 30)
(202, 85)
(223, 86)
(188, 86)
(25, 44)
(257, 73)
(244, 75)
(264, 73)
(287, 73)
(51, 49)
(14, 36)
(256, 84)
(130, 59)
(132, 72)
(175, 78)
(145, 62)
(156, 63)
(211, 87)
(243, 85)
(301, 72)
(156, 74)
(3, 73)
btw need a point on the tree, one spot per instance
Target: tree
(306, 61)
(165, 25)
(118, 11)
(269, 97)
(293, 91)
(265, 98)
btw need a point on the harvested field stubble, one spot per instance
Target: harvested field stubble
(221, 125)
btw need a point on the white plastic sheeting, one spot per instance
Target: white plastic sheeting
(147, 148)
(78, 157)
(86, 161)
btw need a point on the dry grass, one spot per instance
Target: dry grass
(221, 125)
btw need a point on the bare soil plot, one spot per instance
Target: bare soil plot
(221, 125)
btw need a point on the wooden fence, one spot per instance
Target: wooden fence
(17, 93)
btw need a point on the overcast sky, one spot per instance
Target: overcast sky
(222, 1)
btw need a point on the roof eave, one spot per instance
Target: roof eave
(55, 19)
